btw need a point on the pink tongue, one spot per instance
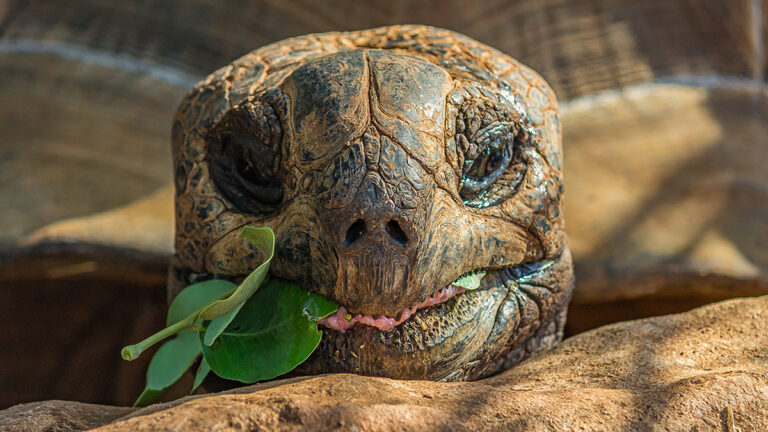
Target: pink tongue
(339, 322)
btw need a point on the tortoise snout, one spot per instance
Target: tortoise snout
(360, 230)
(377, 250)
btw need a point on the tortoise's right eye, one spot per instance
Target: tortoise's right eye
(243, 158)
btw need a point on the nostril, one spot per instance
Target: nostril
(397, 233)
(355, 231)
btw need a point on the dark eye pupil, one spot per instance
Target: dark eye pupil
(253, 160)
(494, 162)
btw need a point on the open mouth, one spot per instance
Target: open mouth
(342, 320)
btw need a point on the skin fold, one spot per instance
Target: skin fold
(389, 162)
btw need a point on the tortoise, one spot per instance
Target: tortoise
(389, 163)
(662, 118)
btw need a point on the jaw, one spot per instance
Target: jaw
(474, 334)
(429, 345)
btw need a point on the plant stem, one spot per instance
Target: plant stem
(132, 352)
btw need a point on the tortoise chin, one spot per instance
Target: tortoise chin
(470, 335)
(388, 162)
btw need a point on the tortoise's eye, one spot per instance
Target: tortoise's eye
(243, 158)
(495, 161)
(490, 162)
(487, 160)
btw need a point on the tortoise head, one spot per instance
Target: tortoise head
(390, 163)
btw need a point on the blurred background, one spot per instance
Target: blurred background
(664, 128)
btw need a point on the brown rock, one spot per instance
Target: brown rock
(679, 372)
(57, 416)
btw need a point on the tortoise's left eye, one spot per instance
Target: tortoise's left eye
(490, 157)
(487, 158)
(495, 161)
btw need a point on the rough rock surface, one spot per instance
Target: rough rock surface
(57, 416)
(704, 370)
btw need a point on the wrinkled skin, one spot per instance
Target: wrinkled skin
(389, 162)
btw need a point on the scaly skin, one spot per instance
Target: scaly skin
(389, 162)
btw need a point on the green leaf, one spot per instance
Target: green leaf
(148, 397)
(168, 365)
(264, 239)
(317, 307)
(202, 371)
(270, 336)
(196, 296)
(470, 281)
(217, 326)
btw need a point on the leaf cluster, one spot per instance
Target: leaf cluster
(258, 330)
